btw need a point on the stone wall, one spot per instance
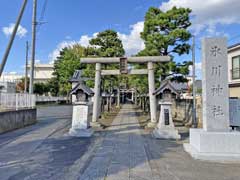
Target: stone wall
(182, 110)
(10, 120)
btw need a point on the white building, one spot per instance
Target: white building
(11, 77)
(234, 70)
(7, 87)
(42, 72)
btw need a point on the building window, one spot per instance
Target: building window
(236, 67)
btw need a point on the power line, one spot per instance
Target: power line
(234, 37)
(42, 15)
(43, 10)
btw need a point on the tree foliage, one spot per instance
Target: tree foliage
(20, 86)
(41, 88)
(108, 44)
(166, 34)
(64, 67)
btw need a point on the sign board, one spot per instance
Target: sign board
(234, 110)
(123, 66)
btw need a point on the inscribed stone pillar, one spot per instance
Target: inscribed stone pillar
(215, 85)
(215, 142)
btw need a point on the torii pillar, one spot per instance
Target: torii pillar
(96, 102)
(152, 97)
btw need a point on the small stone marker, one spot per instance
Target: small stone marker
(80, 120)
(215, 85)
(165, 128)
(80, 117)
(215, 142)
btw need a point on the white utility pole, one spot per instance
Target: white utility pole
(34, 25)
(26, 66)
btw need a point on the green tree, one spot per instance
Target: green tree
(64, 67)
(108, 44)
(41, 88)
(20, 86)
(166, 34)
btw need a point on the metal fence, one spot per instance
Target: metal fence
(17, 101)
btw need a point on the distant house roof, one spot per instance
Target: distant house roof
(83, 87)
(174, 87)
(233, 47)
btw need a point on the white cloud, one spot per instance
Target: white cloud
(208, 14)
(13, 72)
(52, 56)
(132, 42)
(84, 40)
(21, 32)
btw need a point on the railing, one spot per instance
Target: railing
(235, 73)
(49, 99)
(17, 101)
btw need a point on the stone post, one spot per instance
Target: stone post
(132, 98)
(135, 97)
(96, 101)
(118, 98)
(152, 98)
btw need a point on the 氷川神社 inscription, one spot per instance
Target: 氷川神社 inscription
(215, 85)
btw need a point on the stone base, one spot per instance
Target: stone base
(95, 124)
(151, 124)
(166, 133)
(81, 132)
(214, 146)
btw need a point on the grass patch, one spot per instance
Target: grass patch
(108, 117)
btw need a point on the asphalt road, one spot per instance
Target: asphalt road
(44, 150)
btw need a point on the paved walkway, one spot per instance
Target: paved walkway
(122, 155)
(123, 151)
(128, 152)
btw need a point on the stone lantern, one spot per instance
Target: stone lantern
(82, 107)
(165, 128)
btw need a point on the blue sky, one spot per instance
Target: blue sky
(70, 21)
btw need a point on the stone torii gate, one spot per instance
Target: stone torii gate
(123, 62)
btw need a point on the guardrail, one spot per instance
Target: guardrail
(17, 101)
